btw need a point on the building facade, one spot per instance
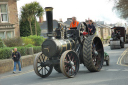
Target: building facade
(9, 23)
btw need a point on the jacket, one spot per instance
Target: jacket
(75, 24)
(93, 28)
(17, 54)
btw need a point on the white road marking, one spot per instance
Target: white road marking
(113, 70)
(125, 70)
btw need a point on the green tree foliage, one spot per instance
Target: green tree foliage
(2, 45)
(121, 6)
(37, 11)
(37, 39)
(26, 15)
(28, 21)
(6, 52)
(25, 28)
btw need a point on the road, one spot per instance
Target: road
(115, 74)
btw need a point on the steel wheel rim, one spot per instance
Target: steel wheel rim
(96, 59)
(42, 71)
(69, 64)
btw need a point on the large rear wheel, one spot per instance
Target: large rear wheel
(93, 53)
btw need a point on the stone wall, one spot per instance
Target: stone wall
(6, 65)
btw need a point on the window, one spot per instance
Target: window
(3, 13)
(2, 35)
(10, 34)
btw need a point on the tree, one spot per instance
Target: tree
(25, 28)
(26, 15)
(121, 6)
(36, 11)
(29, 12)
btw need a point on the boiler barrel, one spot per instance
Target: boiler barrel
(52, 48)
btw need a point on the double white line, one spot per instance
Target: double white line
(121, 57)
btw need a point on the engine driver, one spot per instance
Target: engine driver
(74, 23)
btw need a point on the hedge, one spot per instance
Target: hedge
(38, 40)
(2, 45)
(12, 42)
(6, 52)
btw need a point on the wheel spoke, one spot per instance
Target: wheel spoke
(46, 69)
(69, 57)
(38, 66)
(73, 69)
(40, 70)
(73, 58)
(40, 59)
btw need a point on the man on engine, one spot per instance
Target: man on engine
(74, 23)
(91, 27)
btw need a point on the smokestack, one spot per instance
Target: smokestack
(49, 18)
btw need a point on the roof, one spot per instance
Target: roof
(44, 24)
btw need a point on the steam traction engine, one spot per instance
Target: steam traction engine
(66, 54)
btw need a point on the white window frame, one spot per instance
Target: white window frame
(4, 34)
(4, 13)
(12, 32)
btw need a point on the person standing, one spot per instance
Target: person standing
(16, 58)
(91, 27)
(74, 23)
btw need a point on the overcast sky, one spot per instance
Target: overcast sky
(82, 9)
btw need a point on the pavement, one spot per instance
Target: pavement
(115, 74)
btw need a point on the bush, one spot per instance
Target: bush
(37, 39)
(29, 45)
(108, 37)
(2, 45)
(27, 41)
(101, 39)
(6, 52)
(37, 49)
(11, 42)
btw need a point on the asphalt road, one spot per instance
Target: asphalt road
(115, 74)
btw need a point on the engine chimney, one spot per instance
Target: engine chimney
(49, 18)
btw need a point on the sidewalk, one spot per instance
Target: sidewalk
(24, 70)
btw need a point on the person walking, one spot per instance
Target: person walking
(16, 58)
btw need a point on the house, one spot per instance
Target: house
(9, 24)
(103, 30)
(43, 26)
(68, 22)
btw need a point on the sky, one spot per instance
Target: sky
(82, 9)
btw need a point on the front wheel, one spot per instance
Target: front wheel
(69, 63)
(40, 68)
